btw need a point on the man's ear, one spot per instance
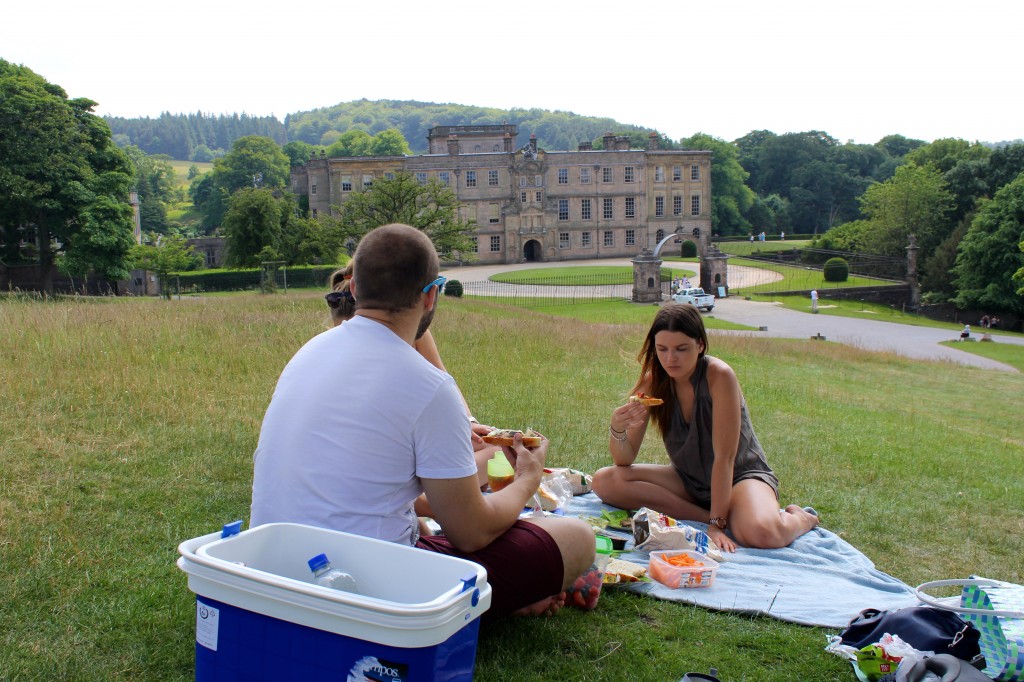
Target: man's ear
(432, 297)
(352, 287)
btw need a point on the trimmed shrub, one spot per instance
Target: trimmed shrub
(688, 250)
(836, 270)
(453, 288)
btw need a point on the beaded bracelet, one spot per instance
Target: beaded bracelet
(615, 435)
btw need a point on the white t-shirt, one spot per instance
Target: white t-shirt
(357, 418)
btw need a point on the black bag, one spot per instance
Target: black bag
(922, 627)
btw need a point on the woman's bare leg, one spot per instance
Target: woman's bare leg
(656, 486)
(755, 519)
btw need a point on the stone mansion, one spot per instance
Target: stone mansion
(530, 204)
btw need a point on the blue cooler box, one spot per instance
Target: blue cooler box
(259, 616)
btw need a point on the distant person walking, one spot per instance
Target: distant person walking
(966, 333)
(782, 236)
(814, 300)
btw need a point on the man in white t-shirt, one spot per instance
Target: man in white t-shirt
(364, 435)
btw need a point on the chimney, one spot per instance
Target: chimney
(622, 143)
(652, 141)
(585, 146)
(609, 141)
(453, 145)
(533, 142)
(508, 142)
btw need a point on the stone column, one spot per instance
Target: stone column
(714, 270)
(646, 278)
(915, 287)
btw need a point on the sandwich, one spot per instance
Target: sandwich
(621, 571)
(644, 399)
(531, 438)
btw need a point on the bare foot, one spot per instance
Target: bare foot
(807, 518)
(586, 590)
(544, 607)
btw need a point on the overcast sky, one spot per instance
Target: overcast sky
(856, 70)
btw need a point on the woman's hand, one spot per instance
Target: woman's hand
(628, 416)
(724, 542)
(475, 433)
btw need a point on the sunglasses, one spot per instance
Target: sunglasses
(439, 282)
(335, 298)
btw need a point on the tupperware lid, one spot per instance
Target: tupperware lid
(604, 544)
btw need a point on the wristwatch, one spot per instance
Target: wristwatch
(717, 522)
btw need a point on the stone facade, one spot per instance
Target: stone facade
(530, 204)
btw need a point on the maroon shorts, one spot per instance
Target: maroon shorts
(523, 566)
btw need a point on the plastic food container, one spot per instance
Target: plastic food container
(603, 552)
(682, 576)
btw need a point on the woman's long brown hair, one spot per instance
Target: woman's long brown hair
(675, 317)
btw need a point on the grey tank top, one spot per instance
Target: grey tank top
(691, 450)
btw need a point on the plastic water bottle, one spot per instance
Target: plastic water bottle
(327, 576)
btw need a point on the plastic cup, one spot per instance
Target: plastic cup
(499, 472)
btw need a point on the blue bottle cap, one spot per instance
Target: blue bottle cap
(318, 562)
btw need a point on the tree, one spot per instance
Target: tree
(351, 143)
(947, 152)
(312, 241)
(253, 161)
(252, 223)
(914, 201)
(432, 208)
(63, 181)
(298, 152)
(731, 198)
(390, 142)
(164, 256)
(898, 146)
(990, 256)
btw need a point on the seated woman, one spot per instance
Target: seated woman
(718, 472)
(343, 306)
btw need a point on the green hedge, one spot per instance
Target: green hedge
(204, 281)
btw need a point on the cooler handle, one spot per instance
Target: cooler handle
(468, 582)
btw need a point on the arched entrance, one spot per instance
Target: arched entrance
(532, 251)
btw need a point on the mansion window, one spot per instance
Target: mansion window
(495, 243)
(346, 183)
(492, 178)
(494, 210)
(630, 207)
(563, 209)
(563, 240)
(421, 178)
(445, 177)
(522, 181)
(659, 206)
(658, 236)
(630, 237)
(312, 189)
(677, 173)
(677, 204)
(522, 197)
(659, 174)
(389, 176)
(537, 197)
(476, 244)
(609, 238)
(585, 240)
(630, 176)
(695, 172)
(695, 204)
(470, 178)
(563, 176)
(585, 212)
(608, 212)
(606, 175)
(367, 181)
(585, 176)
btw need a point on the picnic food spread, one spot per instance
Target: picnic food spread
(644, 399)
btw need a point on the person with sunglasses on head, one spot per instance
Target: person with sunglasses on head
(342, 305)
(718, 473)
(396, 447)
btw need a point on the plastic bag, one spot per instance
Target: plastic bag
(555, 490)
(653, 530)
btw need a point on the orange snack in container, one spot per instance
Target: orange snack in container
(682, 568)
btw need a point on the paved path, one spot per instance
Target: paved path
(877, 335)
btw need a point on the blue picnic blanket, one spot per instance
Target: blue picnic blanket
(819, 580)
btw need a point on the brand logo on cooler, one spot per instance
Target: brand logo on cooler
(372, 669)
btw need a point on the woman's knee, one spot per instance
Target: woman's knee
(760, 534)
(606, 482)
